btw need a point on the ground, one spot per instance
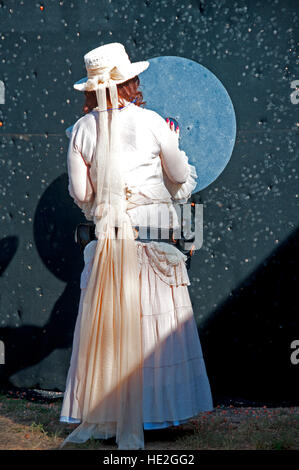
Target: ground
(30, 424)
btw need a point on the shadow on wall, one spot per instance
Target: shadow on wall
(56, 218)
(247, 340)
(8, 249)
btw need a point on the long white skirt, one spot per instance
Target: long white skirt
(175, 381)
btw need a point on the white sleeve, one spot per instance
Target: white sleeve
(179, 176)
(78, 160)
(173, 159)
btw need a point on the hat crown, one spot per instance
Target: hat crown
(107, 64)
(108, 55)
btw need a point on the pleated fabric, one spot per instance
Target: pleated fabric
(175, 381)
(108, 349)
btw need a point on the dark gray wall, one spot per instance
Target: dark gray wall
(244, 278)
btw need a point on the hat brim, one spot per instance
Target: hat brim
(135, 69)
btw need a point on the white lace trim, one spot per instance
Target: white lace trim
(167, 261)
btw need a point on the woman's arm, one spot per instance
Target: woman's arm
(172, 158)
(179, 175)
(79, 158)
(80, 186)
(173, 161)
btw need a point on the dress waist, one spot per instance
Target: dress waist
(152, 194)
(146, 234)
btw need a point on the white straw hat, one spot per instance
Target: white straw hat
(106, 64)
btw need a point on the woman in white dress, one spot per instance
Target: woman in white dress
(175, 385)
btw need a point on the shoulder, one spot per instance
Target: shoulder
(86, 122)
(150, 114)
(83, 136)
(84, 130)
(157, 124)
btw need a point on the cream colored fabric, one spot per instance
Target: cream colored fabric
(109, 356)
(175, 382)
(150, 161)
(154, 168)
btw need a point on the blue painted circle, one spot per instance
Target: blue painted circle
(188, 92)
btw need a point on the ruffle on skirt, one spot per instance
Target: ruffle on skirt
(175, 382)
(166, 261)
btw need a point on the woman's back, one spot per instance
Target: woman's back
(151, 161)
(136, 360)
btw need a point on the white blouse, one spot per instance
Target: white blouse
(157, 173)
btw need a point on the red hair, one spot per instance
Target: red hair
(127, 90)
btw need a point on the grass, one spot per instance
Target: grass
(27, 424)
(266, 429)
